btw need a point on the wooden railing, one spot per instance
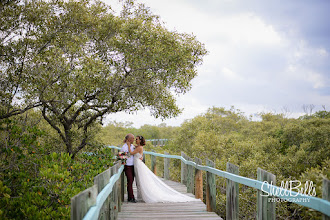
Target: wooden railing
(104, 199)
(191, 176)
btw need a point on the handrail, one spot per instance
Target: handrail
(94, 211)
(315, 203)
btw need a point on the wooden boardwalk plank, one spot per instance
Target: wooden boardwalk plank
(182, 210)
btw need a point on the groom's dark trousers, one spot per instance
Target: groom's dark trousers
(129, 172)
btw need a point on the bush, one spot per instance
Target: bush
(37, 184)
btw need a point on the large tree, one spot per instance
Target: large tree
(17, 48)
(89, 62)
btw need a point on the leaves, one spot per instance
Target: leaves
(40, 185)
(80, 61)
(291, 149)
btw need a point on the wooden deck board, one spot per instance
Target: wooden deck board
(182, 210)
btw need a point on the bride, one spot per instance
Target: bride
(151, 188)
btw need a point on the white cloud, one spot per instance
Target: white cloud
(322, 52)
(254, 64)
(303, 61)
(231, 75)
(316, 79)
(190, 105)
(247, 28)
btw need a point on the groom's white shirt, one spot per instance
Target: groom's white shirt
(130, 160)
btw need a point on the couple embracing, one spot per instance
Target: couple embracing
(150, 188)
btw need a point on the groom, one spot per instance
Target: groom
(129, 167)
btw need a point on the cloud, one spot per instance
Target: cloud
(230, 75)
(264, 55)
(247, 29)
(309, 64)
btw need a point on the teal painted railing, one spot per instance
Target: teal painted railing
(103, 199)
(93, 212)
(315, 203)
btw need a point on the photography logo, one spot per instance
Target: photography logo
(292, 190)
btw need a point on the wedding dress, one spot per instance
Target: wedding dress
(152, 189)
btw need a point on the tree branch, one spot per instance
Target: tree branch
(83, 107)
(52, 123)
(82, 143)
(19, 111)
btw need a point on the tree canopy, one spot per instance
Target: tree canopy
(78, 61)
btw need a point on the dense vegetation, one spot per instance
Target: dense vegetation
(38, 178)
(65, 65)
(292, 149)
(79, 60)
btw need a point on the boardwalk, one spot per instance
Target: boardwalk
(189, 210)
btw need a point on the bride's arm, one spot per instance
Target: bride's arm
(130, 151)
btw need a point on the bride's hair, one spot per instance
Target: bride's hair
(142, 140)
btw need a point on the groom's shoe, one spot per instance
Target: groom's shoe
(132, 200)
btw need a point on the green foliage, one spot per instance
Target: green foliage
(38, 178)
(36, 183)
(292, 149)
(113, 133)
(79, 61)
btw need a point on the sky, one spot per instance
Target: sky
(264, 56)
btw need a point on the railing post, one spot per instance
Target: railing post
(120, 189)
(122, 185)
(210, 189)
(265, 207)
(115, 195)
(153, 164)
(190, 178)
(101, 181)
(81, 202)
(166, 167)
(326, 195)
(198, 180)
(112, 196)
(118, 192)
(183, 170)
(232, 194)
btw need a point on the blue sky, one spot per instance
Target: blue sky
(265, 55)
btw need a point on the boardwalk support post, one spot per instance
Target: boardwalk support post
(326, 195)
(166, 167)
(183, 170)
(122, 186)
(210, 188)
(232, 194)
(101, 181)
(81, 202)
(198, 181)
(114, 195)
(190, 178)
(153, 164)
(265, 207)
(112, 205)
